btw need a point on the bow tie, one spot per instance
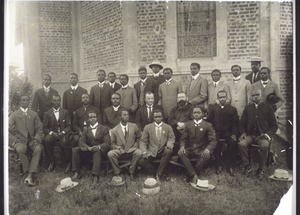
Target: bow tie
(168, 82)
(101, 85)
(55, 111)
(264, 83)
(25, 113)
(46, 90)
(197, 124)
(94, 128)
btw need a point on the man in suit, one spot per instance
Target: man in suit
(128, 97)
(100, 94)
(167, 93)
(125, 139)
(198, 140)
(157, 142)
(72, 96)
(225, 121)
(111, 115)
(57, 128)
(95, 141)
(112, 82)
(42, 99)
(239, 89)
(258, 126)
(255, 66)
(196, 89)
(25, 132)
(81, 122)
(157, 78)
(215, 87)
(143, 86)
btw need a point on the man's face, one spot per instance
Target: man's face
(85, 99)
(181, 97)
(236, 71)
(157, 117)
(256, 96)
(167, 74)
(194, 70)
(56, 102)
(149, 99)
(73, 80)
(124, 116)
(46, 81)
(216, 76)
(155, 69)
(100, 76)
(197, 113)
(115, 100)
(222, 96)
(143, 74)
(264, 75)
(93, 118)
(111, 78)
(123, 80)
(24, 102)
(255, 65)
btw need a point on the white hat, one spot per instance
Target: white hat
(255, 59)
(150, 186)
(156, 63)
(116, 181)
(66, 184)
(281, 175)
(203, 185)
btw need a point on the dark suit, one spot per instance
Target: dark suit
(196, 139)
(141, 117)
(116, 87)
(249, 77)
(157, 81)
(88, 139)
(23, 129)
(42, 102)
(110, 117)
(149, 86)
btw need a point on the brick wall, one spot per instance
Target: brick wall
(243, 30)
(55, 39)
(102, 35)
(286, 30)
(151, 21)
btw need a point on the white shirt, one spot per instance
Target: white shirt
(124, 87)
(156, 74)
(216, 83)
(46, 89)
(194, 77)
(24, 110)
(236, 78)
(197, 122)
(144, 80)
(149, 108)
(123, 128)
(168, 81)
(74, 87)
(116, 108)
(112, 84)
(158, 128)
(56, 113)
(94, 128)
(101, 84)
(266, 82)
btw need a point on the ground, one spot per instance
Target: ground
(233, 195)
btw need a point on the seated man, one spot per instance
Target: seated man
(157, 142)
(25, 132)
(258, 126)
(57, 128)
(94, 140)
(225, 121)
(198, 140)
(111, 114)
(125, 143)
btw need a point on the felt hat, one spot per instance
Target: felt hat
(66, 184)
(255, 59)
(281, 175)
(203, 185)
(116, 181)
(156, 63)
(150, 186)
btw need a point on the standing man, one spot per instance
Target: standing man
(239, 89)
(157, 78)
(196, 89)
(167, 93)
(125, 139)
(143, 86)
(128, 97)
(25, 132)
(255, 66)
(112, 81)
(57, 128)
(100, 95)
(157, 142)
(72, 96)
(42, 99)
(225, 121)
(258, 126)
(95, 140)
(215, 87)
(198, 140)
(111, 115)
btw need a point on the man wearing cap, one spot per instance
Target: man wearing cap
(111, 114)
(196, 89)
(255, 66)
(157, 78)
(112, 82)
(258, 126)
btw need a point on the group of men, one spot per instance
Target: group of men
(153, 120)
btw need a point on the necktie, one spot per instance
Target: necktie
(100, 85)
(158, 133)
(142, 99)
(264, 84)
(215, 84)
(168, 82)
(149, 112)
(126, 133)
(197, 124)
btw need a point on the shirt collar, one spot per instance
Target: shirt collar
(46, 88)
(144, 80)
(124, 87)
(24, 110)
(156, 74)
(158, 125)
(168, 81)
(262, 82)
(74, 87)
(116, 108)
(216, 83)
(95, 126)
(194, 77)
(124, 126)
(101, 83)
(198, 122)
(151, 106)
(56, 110)
(112, 84)
(237, 78)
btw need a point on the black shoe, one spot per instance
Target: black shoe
(247, 170)
(51, 167)
(260, 173)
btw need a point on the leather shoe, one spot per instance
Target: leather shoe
(260, 173)
(76, 176)
(51, 167)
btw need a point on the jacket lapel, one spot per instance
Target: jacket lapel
(153, 132)
(121, 135)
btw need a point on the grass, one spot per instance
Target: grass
(233, 195)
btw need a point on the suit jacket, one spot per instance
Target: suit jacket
(72, 100)
(271, 87)
(249, 77)
(81, 117)
(240, 94)
(157, 81)
(111, 117)
(101, 98)
(25, 128)
(149, 87)
(149, 142)
(265, 118)
(101, 138)
(116, 87)
(141, 116)
(198, 138)
(41, 103)
(128, 98)
(168, 96)
(118, 138)
(196, 90)
(51, 124)
(212, 97)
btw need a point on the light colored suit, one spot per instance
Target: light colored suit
(196, 90)
(271, 87)
(213, 92)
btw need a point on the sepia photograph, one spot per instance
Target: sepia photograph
(149, 107)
